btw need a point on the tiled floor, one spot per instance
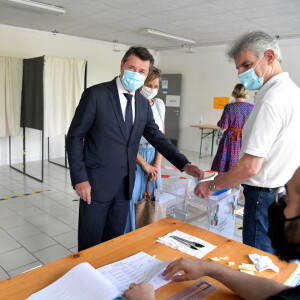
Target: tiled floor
(39, 228)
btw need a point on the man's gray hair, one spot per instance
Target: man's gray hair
(257, 41)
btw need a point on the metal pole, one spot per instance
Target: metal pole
(24, 152)
(201, 143)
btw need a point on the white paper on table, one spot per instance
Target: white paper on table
(108, 282)
(262, 262)
(167, 240)
(81, 282)
(138, 268)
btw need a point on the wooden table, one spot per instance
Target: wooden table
(213, 129)
(143, 239)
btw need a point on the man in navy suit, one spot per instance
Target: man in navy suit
(102, 146)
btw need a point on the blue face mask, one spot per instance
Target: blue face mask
(250, 80)
(132, 80)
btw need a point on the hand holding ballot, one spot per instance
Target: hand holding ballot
(208, 187)
(203, 190)
(194, 171)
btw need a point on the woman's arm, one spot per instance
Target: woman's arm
(148, 169)
(158, 158)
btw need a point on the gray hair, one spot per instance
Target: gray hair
(257, 41)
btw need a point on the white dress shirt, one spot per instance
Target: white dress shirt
(123, 99)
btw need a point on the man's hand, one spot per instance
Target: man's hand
(83, 190)
(203, 190)
(139, 291)
(194, 171)
(193, 269)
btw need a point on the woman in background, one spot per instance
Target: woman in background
(232, 121)
(148, 159)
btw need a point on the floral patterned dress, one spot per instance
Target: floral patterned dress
(233, 119)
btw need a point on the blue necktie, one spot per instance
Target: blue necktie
(128, 115)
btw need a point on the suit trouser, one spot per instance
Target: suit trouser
(102, 221)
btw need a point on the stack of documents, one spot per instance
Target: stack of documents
(106, 283)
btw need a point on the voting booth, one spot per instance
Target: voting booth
(217, 214)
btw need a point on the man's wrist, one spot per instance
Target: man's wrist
(185, 166)
(212, 186)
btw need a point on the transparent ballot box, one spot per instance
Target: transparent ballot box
(217, 214)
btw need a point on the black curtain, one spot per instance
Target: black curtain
(32, 102)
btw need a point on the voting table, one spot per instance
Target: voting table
(209, 130)
(144, 239)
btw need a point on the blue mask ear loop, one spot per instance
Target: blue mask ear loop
(258, 63)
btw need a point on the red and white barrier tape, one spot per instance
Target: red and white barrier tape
(168, 168)
(209, 174)
(171, 176)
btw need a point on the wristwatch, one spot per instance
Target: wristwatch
(213, 186)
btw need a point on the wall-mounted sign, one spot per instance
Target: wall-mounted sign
(220, 102)
(164, 85)
(173, 100)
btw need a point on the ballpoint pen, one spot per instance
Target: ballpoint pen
(192, 245)
(185, 243)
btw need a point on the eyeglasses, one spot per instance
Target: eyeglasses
(280, 195)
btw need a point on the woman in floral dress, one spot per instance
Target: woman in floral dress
(232, 121)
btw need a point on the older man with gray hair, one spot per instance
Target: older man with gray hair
(271, 144)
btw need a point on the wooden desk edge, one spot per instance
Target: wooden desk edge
(292, 276)
(23, 285)
(205, 126)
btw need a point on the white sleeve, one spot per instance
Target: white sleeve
(265, 129)
(162, 109)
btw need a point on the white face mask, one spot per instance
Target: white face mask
(148, 92)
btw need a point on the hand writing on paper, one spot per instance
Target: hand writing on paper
(139, 291)
(83, 190)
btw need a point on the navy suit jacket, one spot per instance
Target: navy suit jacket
(96, 141)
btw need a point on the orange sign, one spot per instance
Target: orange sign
(220, 102)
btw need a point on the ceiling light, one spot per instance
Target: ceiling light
(166, 35)
(34, 5)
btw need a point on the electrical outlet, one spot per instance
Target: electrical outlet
(206, 148)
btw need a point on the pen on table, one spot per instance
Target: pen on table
(185, 243)
(198, 245)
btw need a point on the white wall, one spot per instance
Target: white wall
(207, 74)
(103, 65)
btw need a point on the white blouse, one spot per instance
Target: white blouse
(158, 110)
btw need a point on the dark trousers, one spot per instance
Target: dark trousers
(255, 220)
(102, 221)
